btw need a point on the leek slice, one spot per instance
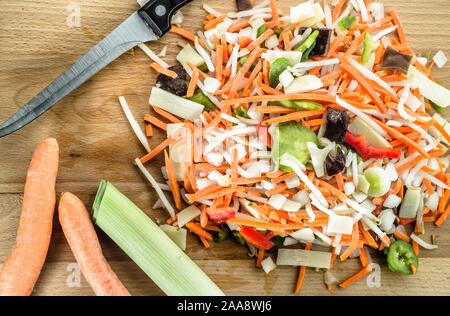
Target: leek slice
(148, 246)
(306, 258)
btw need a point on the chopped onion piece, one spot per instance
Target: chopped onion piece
(134, 125)
(440, 59)
(158, 190)
(305, 258)
(202, 52)
(277, 201)
(187, 215)
(422, 243)
(340, 225)
(392, 201)
(294, 164)
(153, 56)
(268, 265)
(211, 84)
(305, 234)
(363, 116)
(428, 88)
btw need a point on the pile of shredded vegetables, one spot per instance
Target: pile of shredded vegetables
(228, 174)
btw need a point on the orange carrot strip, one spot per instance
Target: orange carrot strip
(363, 258)
(194, 228)
(162, 146)
(149, 130)
(82, 238)
(23, 265)
(260, 258)
(164, 71)
(293, 116)
(337, 9)
(301, 274)
(204, 242)
(265, 225)
(443, 216)
(340, 181)
(441, 129)
(166, 115)
(172, 181)
(402, 236)
(400, 29)
(273, 109)
(356, 277)
(219, 62)
(213, 23)
(366, 85)
(186, 34)
(193, 83)
(285, 97)
(403, 138)
(155, 121)
(238, 26)
(277, 189)
(257, 42)
(275, 14)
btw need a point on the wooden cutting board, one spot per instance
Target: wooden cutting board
(97, 143)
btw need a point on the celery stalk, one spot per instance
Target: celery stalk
(148, 246)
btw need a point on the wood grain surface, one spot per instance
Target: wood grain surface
(97, 143)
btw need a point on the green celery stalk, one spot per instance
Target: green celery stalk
(148, 246)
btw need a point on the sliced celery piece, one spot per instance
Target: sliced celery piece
(148, 246)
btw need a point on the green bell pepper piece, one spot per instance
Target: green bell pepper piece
(346, 22)
(276, 69)
(401, 257)
(224, 233)
(200, 97)
(298, 105)
(241, 111)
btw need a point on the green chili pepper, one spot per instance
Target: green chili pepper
(278, 243)
(276, 69)
(303, 47)
(241, 111)
(278, 32)
(305, 55)
(224, 233)
(239, 238)
(298, 105)
(346, 22)
(368, 47)
(200, 97)
(401, 258)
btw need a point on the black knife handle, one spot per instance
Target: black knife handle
(158, 14)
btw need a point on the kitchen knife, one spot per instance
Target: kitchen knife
(149, 23)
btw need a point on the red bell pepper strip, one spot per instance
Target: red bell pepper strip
(365, 150)
(256, 239)
(263, 133)
(220, 215)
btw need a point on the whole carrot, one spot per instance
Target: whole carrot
(83, 241)
(21, 269)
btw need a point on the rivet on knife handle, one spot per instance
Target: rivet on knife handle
(158, 14)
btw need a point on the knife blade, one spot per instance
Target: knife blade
(147, 24)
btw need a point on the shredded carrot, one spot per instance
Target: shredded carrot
(265, 225)
(257, 42)
(237, 26)
(163, 70)
(340, 181)
(400, 29)
(199, 231)
(402, 236)
(356, 277)
(162, 146)
(186, 34)
(213, 23)
(193, 83)
(153, 120)
(149, 130)
(166, 115)
(285, 97)
(275, 14)
(172, 181)
(260, 258)
(301, 274)
(293, 116)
